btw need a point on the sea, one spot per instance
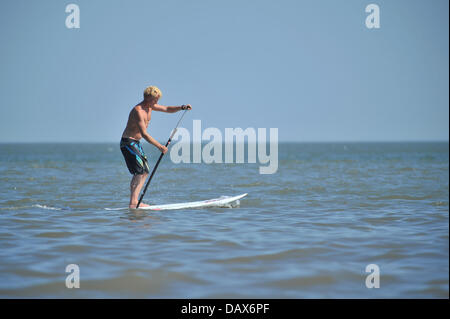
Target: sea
(336, 220)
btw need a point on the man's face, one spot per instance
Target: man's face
(154, 100)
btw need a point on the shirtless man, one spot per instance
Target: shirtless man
(136, 129)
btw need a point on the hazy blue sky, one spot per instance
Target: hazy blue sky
(310, 68)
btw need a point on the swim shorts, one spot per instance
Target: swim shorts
(134, 156)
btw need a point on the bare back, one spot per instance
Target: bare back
(137, 114)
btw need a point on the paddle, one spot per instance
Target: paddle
(159, 160)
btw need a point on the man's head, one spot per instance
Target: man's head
(152, 94)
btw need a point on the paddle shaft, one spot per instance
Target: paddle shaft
(159, 160)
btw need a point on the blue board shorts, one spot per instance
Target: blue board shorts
(134, 156)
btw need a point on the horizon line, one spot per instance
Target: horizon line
(281, 141)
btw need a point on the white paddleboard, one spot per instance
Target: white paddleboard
(223, 201)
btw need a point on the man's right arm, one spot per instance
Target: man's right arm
(146, 136)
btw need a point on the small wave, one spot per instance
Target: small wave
(291, 253)
(46, 207)
(255, 184)
(302, 282)
(286, 191)
(120, 208)
(30, 206)
(404, 197)
(55, 234)
(316, 189)
(15, 207)
(439, 203)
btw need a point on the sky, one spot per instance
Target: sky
(310, 68)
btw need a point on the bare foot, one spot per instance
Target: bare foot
(133, 206)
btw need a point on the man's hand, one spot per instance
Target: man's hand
(162, 148)
(186, 107)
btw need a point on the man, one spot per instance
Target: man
(136, 129)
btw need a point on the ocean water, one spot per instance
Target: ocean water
(307, 231)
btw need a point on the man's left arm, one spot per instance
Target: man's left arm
(171, 109)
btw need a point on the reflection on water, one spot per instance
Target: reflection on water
(141, 215)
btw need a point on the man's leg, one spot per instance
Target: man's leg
(135, 187)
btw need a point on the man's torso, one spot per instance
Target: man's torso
(132, 128)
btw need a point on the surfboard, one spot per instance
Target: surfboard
(224, 201)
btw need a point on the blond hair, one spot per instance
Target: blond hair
(152, 92)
